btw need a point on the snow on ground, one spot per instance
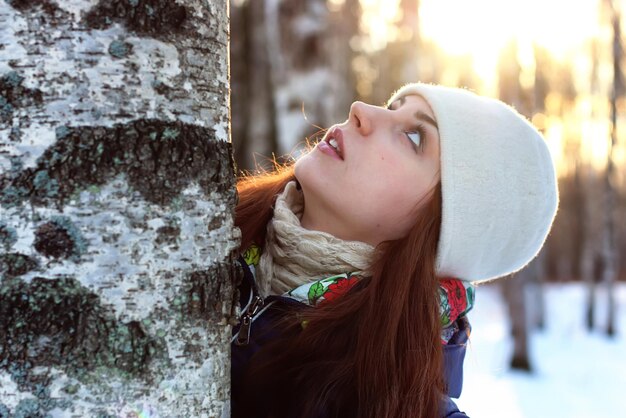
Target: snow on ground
(576, 374)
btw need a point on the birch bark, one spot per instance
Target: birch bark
(117, 197)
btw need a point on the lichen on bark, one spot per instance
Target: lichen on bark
(49, 7)
(13, 94)
(148, 17)
(159, 159)
(120, 49)
(8, 236)
(16, 264)
(58, 322)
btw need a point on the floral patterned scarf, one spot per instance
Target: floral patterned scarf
(456, 297)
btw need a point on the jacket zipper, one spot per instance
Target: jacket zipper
(243, 337)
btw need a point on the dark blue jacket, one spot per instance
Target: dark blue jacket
(258, 329)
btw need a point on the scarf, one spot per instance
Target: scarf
(456, 297)
(294, 255)
(315, 267)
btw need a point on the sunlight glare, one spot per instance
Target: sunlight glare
(595, 146)
(378, 21)
(481, 28)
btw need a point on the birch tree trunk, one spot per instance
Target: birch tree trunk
(252, 99)
(589, 244)
(239, 82)
(344, 27)
(116, 223)
(514, 289)
(300, 73)
(586, 175)
(609, 247)
(537, 300)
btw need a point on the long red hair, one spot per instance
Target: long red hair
(376, 352)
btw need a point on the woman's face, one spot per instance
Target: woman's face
(369, 189)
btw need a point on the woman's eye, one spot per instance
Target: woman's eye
(417, 139)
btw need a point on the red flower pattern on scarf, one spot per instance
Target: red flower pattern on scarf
(340, 288)
(457, 300)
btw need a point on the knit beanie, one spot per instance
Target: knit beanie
(499, 190)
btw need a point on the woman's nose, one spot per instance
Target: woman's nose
(361, 116)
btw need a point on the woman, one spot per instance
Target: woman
(359, 258)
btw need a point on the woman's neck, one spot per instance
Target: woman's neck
(294, 255)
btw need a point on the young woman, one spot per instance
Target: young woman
(359, 259)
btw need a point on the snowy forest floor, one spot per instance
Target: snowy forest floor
(575, 374)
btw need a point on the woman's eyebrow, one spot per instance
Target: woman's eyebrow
(419, 115)
(401, 100)
(425, 118)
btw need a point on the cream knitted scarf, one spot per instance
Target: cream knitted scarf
(294, 255)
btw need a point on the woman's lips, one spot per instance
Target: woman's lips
(327, 149)
(324, 145)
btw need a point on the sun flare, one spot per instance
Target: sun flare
(481, 28)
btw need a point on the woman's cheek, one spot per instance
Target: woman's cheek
(392, 158)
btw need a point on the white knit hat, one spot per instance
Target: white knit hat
(499, 191)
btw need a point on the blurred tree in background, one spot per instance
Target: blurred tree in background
(291, 73)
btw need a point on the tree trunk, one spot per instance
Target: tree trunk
(239, 72)
(609, 247)
(292, 75)
(590, 204)
(301, 78)
(514, 289)
(537, 307)
(344, 28)
(117, 196)
(588, 254)
(252, 99)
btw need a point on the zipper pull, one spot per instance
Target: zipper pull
(243, 337)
